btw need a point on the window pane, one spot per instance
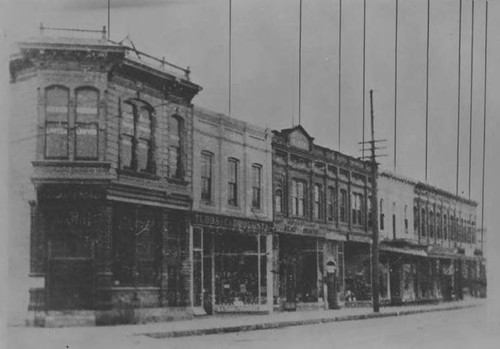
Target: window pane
(57, 100)
(126, 151)
(206, 176)
(174, 160)
(144, 124)
(143, 154)
(56, 140)
(127, 119)
(86, 141)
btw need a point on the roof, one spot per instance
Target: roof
(69, 43)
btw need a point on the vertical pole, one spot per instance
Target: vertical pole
(375, 252)
(230, 48)
(340, 66)
(459, 88)
(396, 83)
(471, 94)
(484, 121)
(364, 76)
(300, 58)
(427, 90)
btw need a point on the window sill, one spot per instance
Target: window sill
(137, 174)
(207, 202)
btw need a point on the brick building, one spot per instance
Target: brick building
(321, 219)
(101, 162)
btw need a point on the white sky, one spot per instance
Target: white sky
(265, 69)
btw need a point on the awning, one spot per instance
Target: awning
(411, 252)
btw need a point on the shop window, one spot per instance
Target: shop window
(331, 204)
(206, 176)
(406, 218)
(343, 205)
(298, 198)
(256, 185)
(136, 246)
(86, 135)
(136, 151)
(56, 122)
(233, 182)
(382, 214)
(318, 205)
(175, 149)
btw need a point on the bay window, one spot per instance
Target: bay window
(56, 122)
(86, 130)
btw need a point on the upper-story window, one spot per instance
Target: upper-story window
(137, 137)
(278, 195)
(406, 218)
(298, 198)
(431, 224)
(206, 176)
(382, 215)
(370, 212)
(415, 219)
(356, 207)
(394, 220)
(331, 204)
(423, 227)
(318, 202)
(175, 150)
(56, 122)
(232, 182)
(445, 227)
(343, 205)
(256, 185)
(86, 135)
(438, 225)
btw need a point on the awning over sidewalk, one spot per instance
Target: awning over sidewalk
(411, 252)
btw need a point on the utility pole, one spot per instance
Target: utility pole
(375, 252)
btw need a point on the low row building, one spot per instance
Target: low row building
(130, 204)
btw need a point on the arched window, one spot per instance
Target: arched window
(382, 215)
(438, 225)
(256, 185)
(176, 139)
(56, 122)
(137, 147)
(278, 194)
(298, 198)
(86, 130)
(318, 201)
(415, 219)
(343, 205)
(445, 227)
(331, 203)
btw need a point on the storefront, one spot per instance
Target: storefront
(357, 251)
(303, 248)
(231, 264)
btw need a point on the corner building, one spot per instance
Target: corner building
(102, 143)
(231, 225)
(320, 201)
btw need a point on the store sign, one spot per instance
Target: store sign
(231, 223)
(300, 228)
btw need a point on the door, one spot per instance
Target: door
(70, 280)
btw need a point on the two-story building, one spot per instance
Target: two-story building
(321, 220)
(231, 224)
(429, 242)
(104, 135)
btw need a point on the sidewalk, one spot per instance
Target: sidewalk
(229, 323)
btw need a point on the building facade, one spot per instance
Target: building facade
(105, 139)
(429, 242)
(321, 221)
(231, 215)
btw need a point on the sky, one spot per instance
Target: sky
(265, 55)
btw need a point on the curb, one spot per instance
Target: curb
(283, 324)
